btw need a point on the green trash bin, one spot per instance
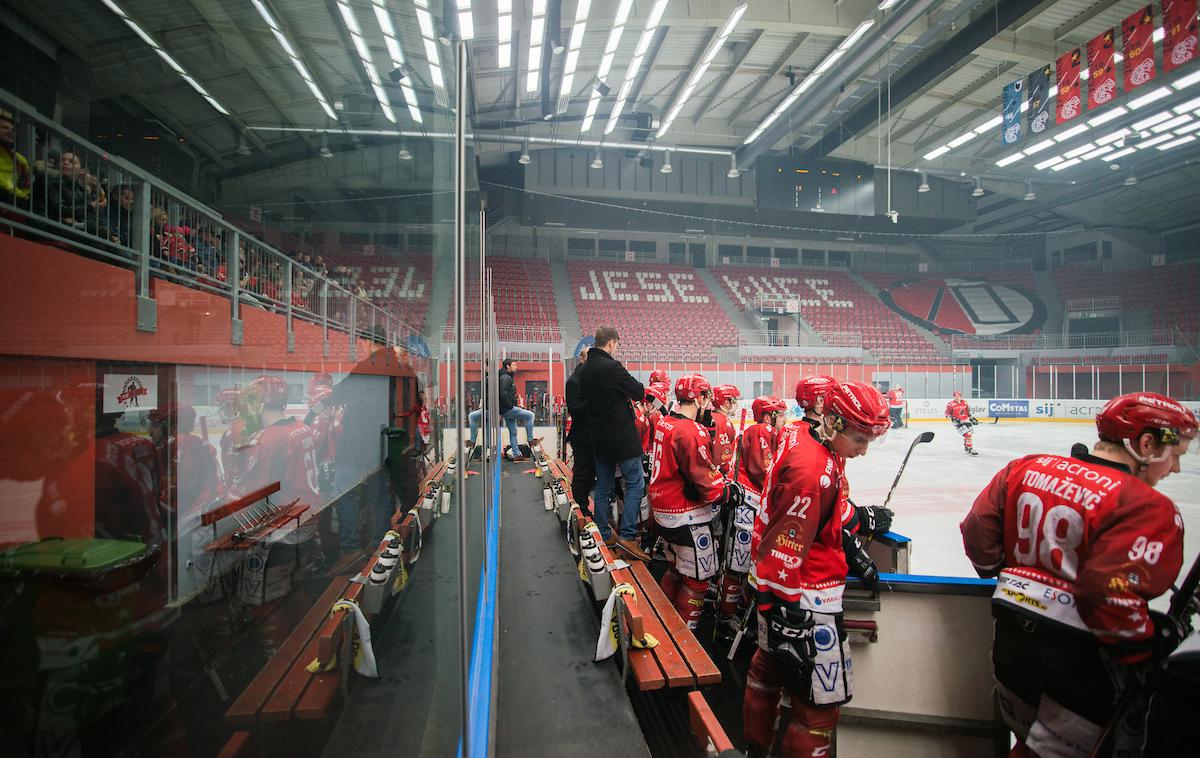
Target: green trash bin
(397, 440)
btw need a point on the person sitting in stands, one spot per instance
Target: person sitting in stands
(16, 181)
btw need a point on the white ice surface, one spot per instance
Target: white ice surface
(941, 482)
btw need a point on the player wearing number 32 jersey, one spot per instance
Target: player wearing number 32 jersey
(1079, 546)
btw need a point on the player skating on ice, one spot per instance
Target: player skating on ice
(800, 575)
(685, 491)
(1080, 545)
(959, 413)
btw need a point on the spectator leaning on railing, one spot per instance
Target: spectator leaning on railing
(120, 216)
(60, 194)
(16, 180)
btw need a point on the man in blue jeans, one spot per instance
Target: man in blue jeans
(511, 412)
(609, 391)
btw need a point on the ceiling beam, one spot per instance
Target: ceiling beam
(765, 79)
(1083, 18)
(926, 119)
(708, 38)
(728, 76)
(660, 38)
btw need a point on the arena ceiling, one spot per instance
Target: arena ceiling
(704, 74)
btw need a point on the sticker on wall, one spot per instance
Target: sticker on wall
(130, 392)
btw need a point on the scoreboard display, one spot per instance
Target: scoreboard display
(844, 187)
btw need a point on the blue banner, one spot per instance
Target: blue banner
(1008, 408)
(584, 344)
(416, 346)
(1011, 100)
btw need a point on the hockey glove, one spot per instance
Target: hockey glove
(858, 561)
(790, 640)
(690, 491)
(974, 421)
(1168, 633)
(735, 495)
(874, 519)
(646, 467)
(705, 420)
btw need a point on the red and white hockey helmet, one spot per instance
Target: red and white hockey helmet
(691, 387)
(1125, 417)
(957, 395)
(723, 393)
(859, 406)
(318, 395)
(227, 398)
(764, 404)
(659, 395)
(272, 390)
(658, 376)
(811, 388)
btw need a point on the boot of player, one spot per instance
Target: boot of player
(689, 601)
(969, 443)
(811, 732)
(670, 584)
(760, 703)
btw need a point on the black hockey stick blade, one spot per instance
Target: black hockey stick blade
(922, 437)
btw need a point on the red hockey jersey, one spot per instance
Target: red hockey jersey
(958, 410)
(646, 423)
(724, 441)
(682, 461)
(283, 452)
(1077, 541)
(797, 542)
(757, 452)
(895, 398)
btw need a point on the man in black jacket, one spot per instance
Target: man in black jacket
(608, 391)
(511, 412)
(583, 473)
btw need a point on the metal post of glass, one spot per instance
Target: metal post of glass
(460, 382)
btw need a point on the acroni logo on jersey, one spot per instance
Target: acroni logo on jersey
(966, 306)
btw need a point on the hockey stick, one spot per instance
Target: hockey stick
(1183, 605)
(743, 622)
(922, 437)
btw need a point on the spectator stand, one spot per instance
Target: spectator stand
(98, 205)
(302, 680)
(677, 663)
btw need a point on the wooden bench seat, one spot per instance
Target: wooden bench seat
(705, 727)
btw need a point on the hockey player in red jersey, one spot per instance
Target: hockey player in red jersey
(895, 398)
(1079, 546)
(424, 429)
(655, 405)
(757, 446)
(283, 450)
(234, 436)
(685, 490)
(723, 433)
(959, 414)
(658, 376)
(800, 574)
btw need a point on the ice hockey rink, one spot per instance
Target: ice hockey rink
(941, 481)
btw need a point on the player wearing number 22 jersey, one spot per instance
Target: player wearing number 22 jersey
(1079, 546)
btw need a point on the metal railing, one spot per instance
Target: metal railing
(1075, 305)
(799, 339)
(73, 193)
(1100, 340)
(547, 335)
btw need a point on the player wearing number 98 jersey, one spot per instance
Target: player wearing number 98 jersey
(1079, 546)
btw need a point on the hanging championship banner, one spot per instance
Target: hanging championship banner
(1067, 68)
(1179, 27)
(1038, 91)
(1010, 129)
(1137, 31)
(1102, 69)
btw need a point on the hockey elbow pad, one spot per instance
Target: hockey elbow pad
(858, 561)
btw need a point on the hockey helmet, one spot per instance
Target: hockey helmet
(318, 395)
(764, 404)
(1126, 417)
(859, 406)
(658, 395)
(957, 395)
(691, 387)
(658, 376)
(723, 393)
(811, 388)
(272, 390)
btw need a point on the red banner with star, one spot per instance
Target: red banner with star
(1068, 103)
(1137, 31)
(1102, 69)
(1179, 28)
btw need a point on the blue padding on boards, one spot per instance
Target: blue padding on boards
(950, 585)
(483, 647)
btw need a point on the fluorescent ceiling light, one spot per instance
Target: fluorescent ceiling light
(1078, 151)
(734, 18)
(1154, 141)
(466, 25)
(698, 73)
(1010, 159)
(262, 11)
(962, 139)
(883, 6)
(1096, 153)
(1158, 35)
(1190, 105)
(1120, 154)
(396, 53)
(283, 42)
(937, 153)
(1039, 147)
(1187, 81)
(578, 30)
(1048, 162)
(537, 31)
(432, 55)
(117, 9)
(830, 59)
(348, 17)
(631, 72)
(170, 61)
(1065, 165)
(989, 125)
(1149, 97)
(1108, 139)
(1178, 142)
(1150, 121)
(367, 61)
(857, 34)
(1074, 131)
(1112, 113)
(1170, 124)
